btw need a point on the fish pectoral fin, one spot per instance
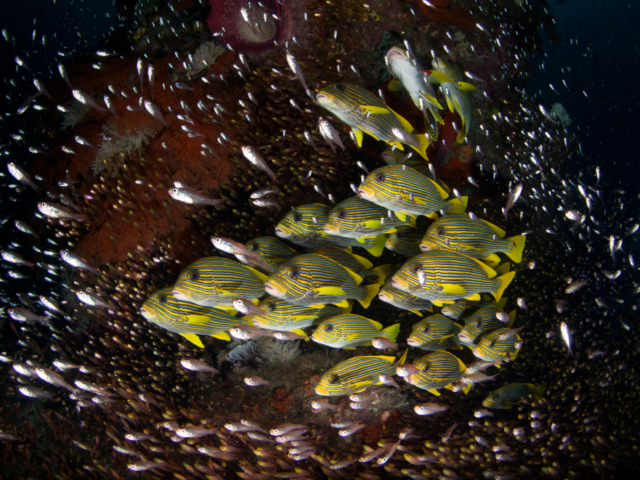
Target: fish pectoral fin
(306, 317)
(193, 338)
(405, 123)
(358, 134)
(363, 385)
(449, 103)
(196, 319)
(416, 312)
(432, 215)
(401, 216)
(474, 298)
(225, 293)
(356, 278)
(433, 392)
(221, 336)
(372, 224)
(375, 110)
(360, 240)
(226, 307)
(467, 87)
(348, 348)
(431, 99)
(342, 304)
(467, 388)
(492, 259)
(394, 85)
(329, 291)
(397, 144)
(452, 289)
(317, 305)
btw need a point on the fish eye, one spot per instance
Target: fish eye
(294, 272)
(440, 232)
(297, 217)
(339, 87)
(328, 327)
(271, 307)
(380, 177)
(194, 276)
(425, 329)
(415, 269)
(341, 214)
(162, 299)
(255, 247)
(334, 380)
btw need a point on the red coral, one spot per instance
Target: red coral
(444, 15)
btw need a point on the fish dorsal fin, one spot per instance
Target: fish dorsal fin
(441, 191)
(356, 278)
(193, 338)
(342, 304)
(432, 99)
(394, 85)
(433, 391)
(258, 274)
(405, 123)
(467, 87)
(498, 231)
(417, 312)
(222, 336)
(402, 359)
(363, 261)
(512, 316)
(378, 325)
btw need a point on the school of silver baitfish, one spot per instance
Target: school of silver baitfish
(492, 286)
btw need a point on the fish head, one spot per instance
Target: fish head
(395, 55)
(330, 384)
(291, 279)
(328, 333)
(466, 337)
(414, 341)
(303, 221)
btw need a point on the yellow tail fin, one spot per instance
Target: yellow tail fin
(378, 245)
(504, 280)
(457, 206)
(372, 291)
(424, 144)
(392, 332)
(382, 271)
(539, 391)
(518, 248)
(403, 358)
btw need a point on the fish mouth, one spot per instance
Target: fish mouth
(413, 342)
(320, 390)
(384, 296)
(485, 403)
(364, 193)
(464, 338)
(331, 229)
(399, 284)
(323, 99)
(395, 52)
(282, 232)
(180, 294)
(426, 247)
(147, 314)
(272, 289)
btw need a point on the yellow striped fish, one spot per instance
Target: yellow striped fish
(513, 394)
(456, 93)
(359, 219)
(475, 238)
(271, 250)
(357, 374)
(187, 319)
(351, 331)
(405, 240)
(435, 332)
(216, 282)
(456, 309)
(437, 370)
(288, 317)
(406, 191)
(482, 321)
(312, 279)
(364, 112)
(356, 263)
(304, 226)
(403, 300)
(490, 347)
(449, 276)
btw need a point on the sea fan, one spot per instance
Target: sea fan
(205, 56)
(558, 112)
(74, 115)
(276, 351)
(245, 355)
(116, 147)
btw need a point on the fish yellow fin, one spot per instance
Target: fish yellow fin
(222, 336)
(378, 245)
(433, 215)
(500, 304)
(394, 85)
(504, 282)
(358, 134)
(193, 338)
(363, 261)
(467, 388)
(360, 239)
(356, 278)
(449, 102)
(467, 87)
(197, 319)
(301, 332)
(347, 310)
(401, 360)
(342, 304)
(348, 249)
(329, 291)
(492, 260)
(474, 298)
(401, 216)
(452, 289)
(539, 391)
(487, 269)
(371, 292)
(433, 392)
(518, 248)
(348, 348)
(416, 312)
(435, 76)
(431, 99)
(512, 316)
(382, 271)
(504, 268)
(441, 191)
(375, 110)
(363, 385)
(258, 274)
(412, 222)
(405, 123)
(377, 325)
(392, 331)
(498, 231)
(316, 305)
(302, 318)
(371, 224)
(438, 303)
(462, 366)
(444, 186)
(423, 143)
(457, 206)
